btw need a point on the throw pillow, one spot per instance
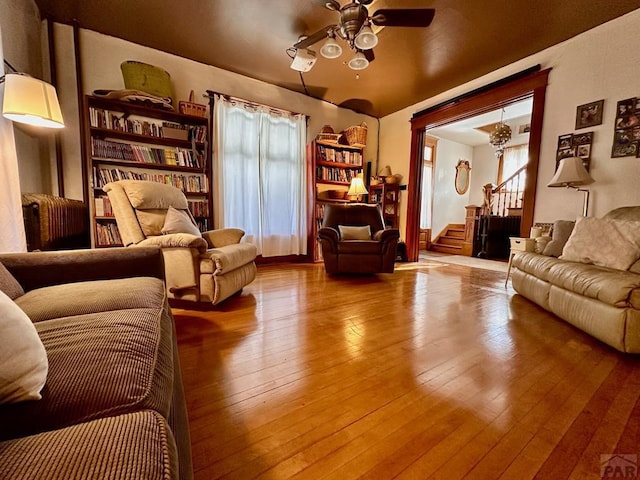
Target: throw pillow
(8, 284)
(605, 242)
(178, 221)
(561, 231)
(23, 360)
(348, 232)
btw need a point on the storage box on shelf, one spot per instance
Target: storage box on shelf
(129, 141)
(332, 167)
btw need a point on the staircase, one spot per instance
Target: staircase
(450, 240)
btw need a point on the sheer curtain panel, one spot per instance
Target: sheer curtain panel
(260, 176)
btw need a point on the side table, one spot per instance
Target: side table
(519, 244)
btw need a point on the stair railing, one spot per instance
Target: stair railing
(509, 193)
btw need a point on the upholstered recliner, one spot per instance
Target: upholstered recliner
(364, 246)
(206, 268)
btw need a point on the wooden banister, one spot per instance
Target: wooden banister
(505, 196)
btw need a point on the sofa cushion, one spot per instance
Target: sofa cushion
(179, 221)
(534, 264)
(613, 287)
(145, 195)
(8, 284)
(219, 261)
(222, 237)
(151, 221)
(561, 232)
(137, 445)
(23, 360)
(100, 364)
(96, 296)
(360, 247)
(606, 242)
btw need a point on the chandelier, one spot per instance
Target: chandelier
(500, 136)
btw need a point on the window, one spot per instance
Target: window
(511, 161)
(428, 158)
(260, 176)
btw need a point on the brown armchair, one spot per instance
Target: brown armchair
(375, 254)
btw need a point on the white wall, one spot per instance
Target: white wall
(484, 169)
(101, 56)
(594, 65)
(448, 206)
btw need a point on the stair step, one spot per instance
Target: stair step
(451, 240)
(455, 233)
(442, 248)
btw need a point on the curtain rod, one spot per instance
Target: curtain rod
(211, 94)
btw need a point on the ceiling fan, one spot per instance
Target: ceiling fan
(354, 27)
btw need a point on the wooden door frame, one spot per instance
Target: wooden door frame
(533, 85)
(429, 141)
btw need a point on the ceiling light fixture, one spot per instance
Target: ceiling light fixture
(358, 62)
(331, 48)
(500, 136)
(366, 39)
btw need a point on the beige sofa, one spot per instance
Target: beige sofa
(201, 268)
(601, 301)
(112, 406)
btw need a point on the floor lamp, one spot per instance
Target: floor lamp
(572, 174)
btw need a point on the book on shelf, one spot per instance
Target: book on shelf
(335, 174)
(120, 122)
(108, 234)
(182, 157)
(197, 183)
(349, 157)
(103, 207)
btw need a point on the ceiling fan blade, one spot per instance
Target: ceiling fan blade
(314, 38)
(368, 54)
(330, 4)
(403, 17)
(364, 2)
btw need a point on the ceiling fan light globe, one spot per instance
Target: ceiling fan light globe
(358, 62)
(366, 39)
(331, 49)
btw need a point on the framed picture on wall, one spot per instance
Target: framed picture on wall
(626, 137)
(589, 114)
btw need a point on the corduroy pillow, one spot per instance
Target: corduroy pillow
(23, 360)
(178, 221)
(9, 285)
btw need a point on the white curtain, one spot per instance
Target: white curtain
(512, 159)
(12, 236)
(260, 176)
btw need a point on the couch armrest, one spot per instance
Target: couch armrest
(387, 235)
(175, 240)
(223, 237)
(329, 238)
(40, 269)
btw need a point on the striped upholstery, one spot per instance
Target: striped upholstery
(100, 364)
(126, 447)
(98, 296)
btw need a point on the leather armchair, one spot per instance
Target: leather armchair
(201, 268)
(374, 255)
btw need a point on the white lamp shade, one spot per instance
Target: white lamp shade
(358, 62)
(357, 187)
(571, 173)
(32, 101)
(385, 172)
(331, 48)
(366, 39)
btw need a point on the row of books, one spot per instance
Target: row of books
(120, 122)
(335, 174)
(199, 208)
(103, 207)
(182, 157)
(107, 234)
(186, 183)
(203, 224)
(339, 156)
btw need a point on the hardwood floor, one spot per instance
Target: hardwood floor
(435, 371)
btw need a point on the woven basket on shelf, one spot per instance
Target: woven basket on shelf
(191, 108)
(357, 135)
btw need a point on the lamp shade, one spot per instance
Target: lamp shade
(366, 39)
(358, 62)
(385, 172)
(331, 48)
(571, 173)
(32, 101)
(357, 187)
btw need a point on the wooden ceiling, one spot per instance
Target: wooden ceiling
(467, 39)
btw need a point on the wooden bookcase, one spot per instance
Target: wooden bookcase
(332, 167)
(129, 141)
(386, 195)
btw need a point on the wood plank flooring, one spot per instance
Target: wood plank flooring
(435, 371)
